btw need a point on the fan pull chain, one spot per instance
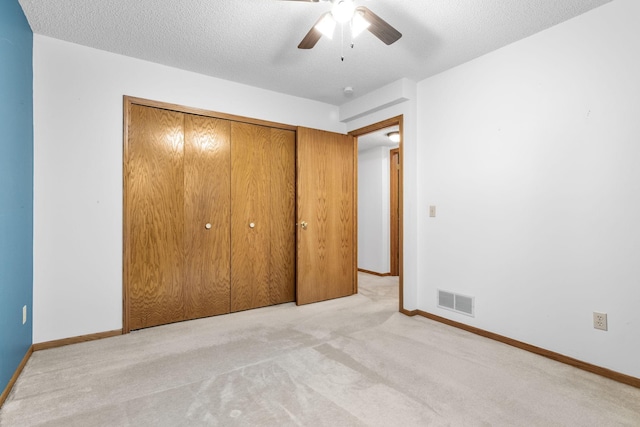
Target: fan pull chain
(351, 32)
(342, 42)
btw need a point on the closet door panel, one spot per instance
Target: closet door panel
(282, 162)
(154, 216)
(326, 198)
(207, 215)
(250, 228)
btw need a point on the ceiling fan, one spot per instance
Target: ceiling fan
(359, 18)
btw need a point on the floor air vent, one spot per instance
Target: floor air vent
(456, 302)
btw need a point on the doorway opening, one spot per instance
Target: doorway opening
(380, 199)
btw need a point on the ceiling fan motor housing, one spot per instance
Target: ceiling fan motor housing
(343, 10)
(361, 17)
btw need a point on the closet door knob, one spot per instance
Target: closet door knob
(207, 226)
(251, 225)
(304, 225)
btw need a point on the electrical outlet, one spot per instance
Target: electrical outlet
(600, 320)
(24, 314)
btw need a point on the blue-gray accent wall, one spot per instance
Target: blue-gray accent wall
(16, 187)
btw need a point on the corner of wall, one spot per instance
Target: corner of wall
(383, 98)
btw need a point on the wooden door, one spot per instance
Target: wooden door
(207, 246)
(250, 226)
(282, 253)
(154, 217)
(209, 224)
(394, 203)
(177, 243)
(263, 216)
(326, 213)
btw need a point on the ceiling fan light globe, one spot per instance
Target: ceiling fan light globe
(358, 24)
(343, 11)
(326, 26)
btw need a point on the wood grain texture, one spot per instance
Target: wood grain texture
(379, 27)
(394, 214)
(178, 177)
(154, 216)
(126, 244)
(207, 252)
(250, 195)
(205, 113)
(401, 215)
(393, 121)
(312, 37)
(326, 201)
(354, 143)
(282, 275)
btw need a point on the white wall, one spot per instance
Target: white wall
(531, 155)
(78, 170)
(374, 210)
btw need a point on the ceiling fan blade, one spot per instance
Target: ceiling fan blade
(379, 27)
(312, 36)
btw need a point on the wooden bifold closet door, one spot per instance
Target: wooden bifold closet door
(185, 177)
(177, 210)
(206, 212)
(263, 216)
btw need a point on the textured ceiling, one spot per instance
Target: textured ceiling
(255, 41)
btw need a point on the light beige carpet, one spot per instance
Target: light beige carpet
(354, 361)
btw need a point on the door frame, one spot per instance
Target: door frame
(394, 214)
(393, 121)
